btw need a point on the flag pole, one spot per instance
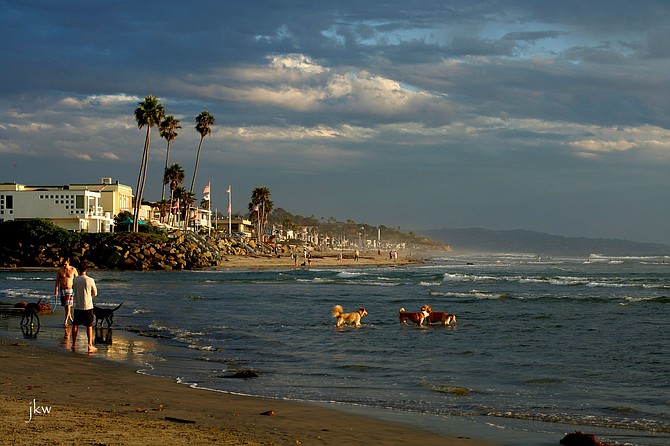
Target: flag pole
(230, 202)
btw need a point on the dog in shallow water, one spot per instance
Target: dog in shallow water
(417, 317)
(353, 318)
(438, 316)
(30, 313)
(105, 315)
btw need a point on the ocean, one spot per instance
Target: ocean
(542, 346)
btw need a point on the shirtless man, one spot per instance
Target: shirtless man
(64, 278)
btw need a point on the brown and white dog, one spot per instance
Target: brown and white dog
(438, 316)
(353, 318)
(416, 317)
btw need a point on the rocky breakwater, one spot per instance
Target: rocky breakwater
(177, 250)
(180, 250)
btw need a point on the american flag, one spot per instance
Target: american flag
(206, 191)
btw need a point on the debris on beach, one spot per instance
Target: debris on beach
(269, 413)
(578, 438)
(179, 420)
(243, 374)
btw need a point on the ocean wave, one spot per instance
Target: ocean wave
(422, 283)
(349, 274)
(200, 298)
(178, 333)
(27, 279)
(478, 294)
(613, 422)
(656, 299)
(567, 281)
(141, 311)
(452, 390)
(25, 294)
(207, 348)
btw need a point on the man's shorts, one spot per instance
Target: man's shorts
(66, 297)
(83, 317)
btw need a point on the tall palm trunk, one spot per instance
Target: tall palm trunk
(197, 161)
(167, 158)
(141, 179)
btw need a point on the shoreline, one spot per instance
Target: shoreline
(327, 259)
(92, 401)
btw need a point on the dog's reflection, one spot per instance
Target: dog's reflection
(30, 331)
(103, 335)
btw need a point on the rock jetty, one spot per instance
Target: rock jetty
(178, 250)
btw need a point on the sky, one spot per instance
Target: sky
(417, 114)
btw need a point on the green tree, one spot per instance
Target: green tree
(148, 114)
(168, 130)
(163, 208)
(260, 207)
(186, 201)
(174, 176)
(203, 124)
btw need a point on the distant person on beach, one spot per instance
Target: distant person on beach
(64, 277)
(84, 292)
(356, 255)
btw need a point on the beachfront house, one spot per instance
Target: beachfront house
(241, 227)
(75, 207)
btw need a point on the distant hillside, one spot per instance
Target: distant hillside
(484, 240)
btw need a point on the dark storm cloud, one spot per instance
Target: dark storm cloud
(501, 114)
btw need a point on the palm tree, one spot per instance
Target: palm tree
(177, 193)
(260, 207)
(186, 202)
(149, 113)
(163, 208)
(203, 124)
(168, 131)
(174, 175)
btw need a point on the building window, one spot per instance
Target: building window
(9, 202)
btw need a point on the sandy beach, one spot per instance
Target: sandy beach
(61, 397)
(320, 259)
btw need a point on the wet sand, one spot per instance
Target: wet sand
(319, 259)
(64, 397)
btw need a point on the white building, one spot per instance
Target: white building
(75, 207)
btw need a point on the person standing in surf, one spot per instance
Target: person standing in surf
(84, 292)
(64, 278)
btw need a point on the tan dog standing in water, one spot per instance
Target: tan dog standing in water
(353, 318)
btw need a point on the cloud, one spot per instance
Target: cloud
(98, 101)
(109, 156)
(377, 103)
(648, 140)
(81, 156)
